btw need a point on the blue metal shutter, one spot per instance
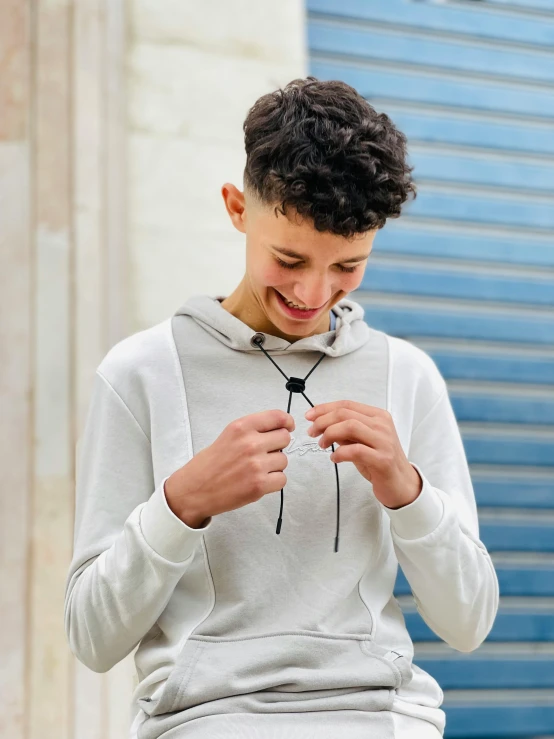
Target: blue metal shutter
(467, 273)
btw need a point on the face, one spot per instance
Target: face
(288, 260)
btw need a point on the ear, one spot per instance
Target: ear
(235, 205)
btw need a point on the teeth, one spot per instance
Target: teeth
(298, 307)
(293, 305)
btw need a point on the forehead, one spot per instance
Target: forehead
(296, 237)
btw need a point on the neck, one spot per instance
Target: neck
(248, 308)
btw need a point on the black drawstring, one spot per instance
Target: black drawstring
(298, 385)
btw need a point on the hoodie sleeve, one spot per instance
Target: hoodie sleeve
(436, 537)
(130, 550)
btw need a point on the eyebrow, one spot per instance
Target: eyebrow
(295, 255)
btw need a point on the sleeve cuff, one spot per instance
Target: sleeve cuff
(170, 537)
(421, 516)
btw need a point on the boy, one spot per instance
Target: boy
(252, 618)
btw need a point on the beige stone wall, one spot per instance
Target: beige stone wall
(63, 303)
(119, 122)
(195, 68)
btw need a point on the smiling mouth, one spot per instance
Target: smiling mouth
(311, 310)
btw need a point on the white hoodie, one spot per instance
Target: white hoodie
(232, 618)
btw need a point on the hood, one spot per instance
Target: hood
(350, 333)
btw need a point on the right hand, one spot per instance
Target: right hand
(242, 465)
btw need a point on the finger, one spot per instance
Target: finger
(321, 408)
(340, 414)
(272, 441)
(351, 431)
(273, 482)
(276, 461)
(352, 453)
(272, 419)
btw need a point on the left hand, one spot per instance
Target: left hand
(367, 437)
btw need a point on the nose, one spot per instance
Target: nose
(313, 292)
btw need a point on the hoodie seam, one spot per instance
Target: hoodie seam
(388, 406)
(443, 392)
(181, 383)
(270, 634)
(388, 402)
(178, 367)
(124, 404)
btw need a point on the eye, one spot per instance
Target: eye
(347, 269)
(287, 265)
(292, 265)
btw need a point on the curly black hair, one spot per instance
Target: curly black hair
(322, 149)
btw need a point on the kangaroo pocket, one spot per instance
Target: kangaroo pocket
(294, 665)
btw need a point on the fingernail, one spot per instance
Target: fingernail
(309, 414)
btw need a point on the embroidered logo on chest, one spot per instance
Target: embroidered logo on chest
(304, 447)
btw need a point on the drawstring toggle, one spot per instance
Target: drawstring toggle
(296, 385)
